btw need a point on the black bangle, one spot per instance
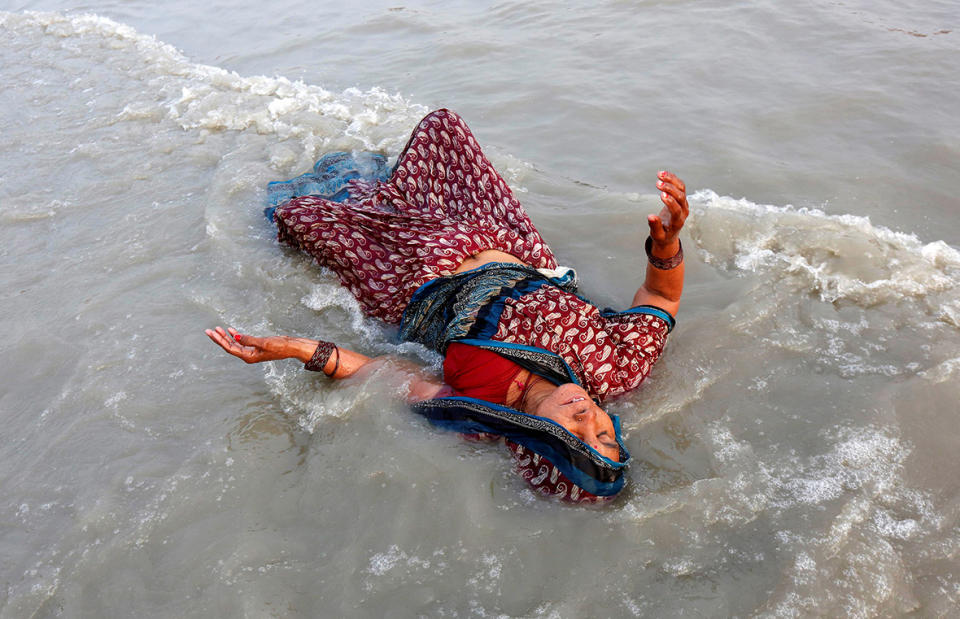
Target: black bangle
(661, 263)
(320, 357)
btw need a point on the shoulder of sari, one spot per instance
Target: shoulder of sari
(582, 464)
(469, 304)
(650, 310)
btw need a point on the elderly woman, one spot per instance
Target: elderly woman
(443, 248)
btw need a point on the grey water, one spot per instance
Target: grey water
(794, 449)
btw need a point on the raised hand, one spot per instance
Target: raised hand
(665, 227)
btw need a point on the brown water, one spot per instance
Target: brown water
(794, 449)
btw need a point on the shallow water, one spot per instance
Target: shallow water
(794, 449)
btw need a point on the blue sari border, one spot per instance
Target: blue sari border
(579, 462)
(650, 310)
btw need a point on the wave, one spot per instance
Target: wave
(838, 257)
(203, 97)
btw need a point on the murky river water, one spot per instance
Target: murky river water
(794, 449)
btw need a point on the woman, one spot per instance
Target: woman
(443, 248)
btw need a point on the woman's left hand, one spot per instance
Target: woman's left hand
(665, 227)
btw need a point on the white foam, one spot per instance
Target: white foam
(330, 295)
(942, 372)
(383, 562)
(203, 97)
(836, 256)
(890, 527)
(866, 460)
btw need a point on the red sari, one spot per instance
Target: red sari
(444, 203)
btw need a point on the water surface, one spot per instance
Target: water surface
(794, 449)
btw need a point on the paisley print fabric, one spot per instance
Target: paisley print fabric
(460, 306)
(610, 352)
(546, 479)
(606, 352)
(443, 203)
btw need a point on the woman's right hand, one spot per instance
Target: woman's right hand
(255, 349)
(347, 363)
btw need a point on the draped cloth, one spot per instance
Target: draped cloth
(539, 316)
(395, 238)
(482, 374)
(551, 459)
(443, 203)
(484, 378)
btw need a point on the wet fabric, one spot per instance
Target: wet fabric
(607, 352)
(479, 373)
(610, 352)
(547, 479)
(462, 305)
(555, 447)
(443, 203)
(329, 178)
(390, 242)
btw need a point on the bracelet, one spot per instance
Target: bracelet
(664, 264)
(320, 357)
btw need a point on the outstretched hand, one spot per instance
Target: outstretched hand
(249, 348)
(348, 363)
(665, 227)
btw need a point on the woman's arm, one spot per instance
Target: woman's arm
(341, 364)
(663, 287)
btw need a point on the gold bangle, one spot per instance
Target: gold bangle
(664, 264)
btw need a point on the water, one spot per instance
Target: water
(794, 449)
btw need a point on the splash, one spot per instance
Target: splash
(838, 257)
(200, 97)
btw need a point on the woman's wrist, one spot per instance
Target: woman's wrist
(664, 251)
(300, 348)
(664, 256)
(324, 358)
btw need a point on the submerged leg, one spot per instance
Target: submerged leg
(443, 171)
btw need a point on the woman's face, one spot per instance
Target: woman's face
(571, 406)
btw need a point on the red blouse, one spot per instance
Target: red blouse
(478, 373)
(485, 375)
